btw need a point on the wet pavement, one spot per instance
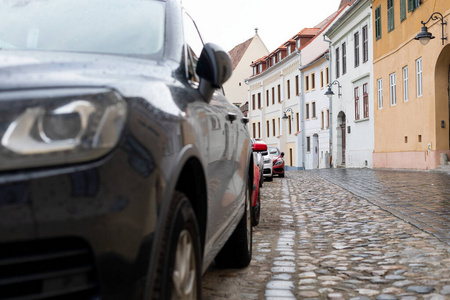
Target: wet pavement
(337, 239)
(419, 197)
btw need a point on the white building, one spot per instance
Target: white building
(351, 69)
(282, 85)
(242, 56)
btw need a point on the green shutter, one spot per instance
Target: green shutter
(378, 22)
(390, 13)
(402, 10)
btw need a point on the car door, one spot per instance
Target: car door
(216, 144)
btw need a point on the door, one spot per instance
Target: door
(315, 151)
(343, 134)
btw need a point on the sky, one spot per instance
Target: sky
(229, 23)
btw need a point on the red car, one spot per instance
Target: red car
(259, 149)
(278, 161)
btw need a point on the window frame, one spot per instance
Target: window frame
(419, 77)
(393, 89)
(378, 31)
(405, 84)
(365, 43)
(380, 93)
(366, 106)
(356, 47)
(337, 62)
(357, 104)
(390, 15)
(344, 58)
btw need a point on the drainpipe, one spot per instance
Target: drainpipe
(330, 104)
(302, 110)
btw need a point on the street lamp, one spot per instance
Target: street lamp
(284, 117)
(329, 93)
(424, 36)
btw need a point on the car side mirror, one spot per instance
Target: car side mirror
(282, 154)
(214, 69)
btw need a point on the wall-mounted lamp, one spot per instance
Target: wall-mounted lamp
(329, 93)
(424, 36)
(284, 117)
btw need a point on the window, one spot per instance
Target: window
(344, 59)
(356, 36)
(289, 89)
(380, 93)
(253, 102)
(413, 4)
(290, 127)
(273, 127)
(322, 120)
(328, 118)
(273, 95)
(308, 144)
(378, 22)
(392, 89)
(259, 129)
(365, 100)
(365, 44)
(327, 76)
(402, 10)
(405, 84)
(259, 68)
(307, 111)
(279, 93)
(313, 107)
(259, 100)
(321, 79)
(267, 128)
(307, 83)
(297, 90)
(254, 130)
(419, 77)
(390, 15)
(267, 98)
(268, 63)
(298, 122)
(279, 127)
(337, 62)
(313, 81)
(357, 108)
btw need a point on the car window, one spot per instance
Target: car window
(194, 46)
(127, 27)
(273, 151)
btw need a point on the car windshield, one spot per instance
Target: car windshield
(273, 151)
(124, 27)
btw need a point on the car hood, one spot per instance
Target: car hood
(131, 77)
(25, 69)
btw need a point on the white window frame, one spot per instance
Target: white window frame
(405, 84)
(380, 93)
(392, 89)
(419, 79)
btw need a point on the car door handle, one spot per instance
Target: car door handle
(231, 117)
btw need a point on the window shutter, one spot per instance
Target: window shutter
(402, 10)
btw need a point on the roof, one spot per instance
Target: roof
(238, 52)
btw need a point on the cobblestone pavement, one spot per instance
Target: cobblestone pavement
(421, 198)
(316, 240)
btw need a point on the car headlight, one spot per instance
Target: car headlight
(278, 162)
(49, 127)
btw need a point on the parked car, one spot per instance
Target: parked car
(278, 161)
(256, 194)
(125, 171)
(268, 167)
(260, 149)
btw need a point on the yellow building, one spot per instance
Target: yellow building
(411, 84)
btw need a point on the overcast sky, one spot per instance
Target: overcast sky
(231, 22)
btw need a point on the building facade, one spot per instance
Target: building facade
(287, 105)
(242, 56)
(351, 68)
(411, 84)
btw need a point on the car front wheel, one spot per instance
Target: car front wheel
(179, 272)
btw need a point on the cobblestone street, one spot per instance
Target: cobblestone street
(358, 234)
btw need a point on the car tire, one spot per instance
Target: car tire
(256, 210)
(282, 174)
(237, 251)
(270, 178)
(180, 267)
